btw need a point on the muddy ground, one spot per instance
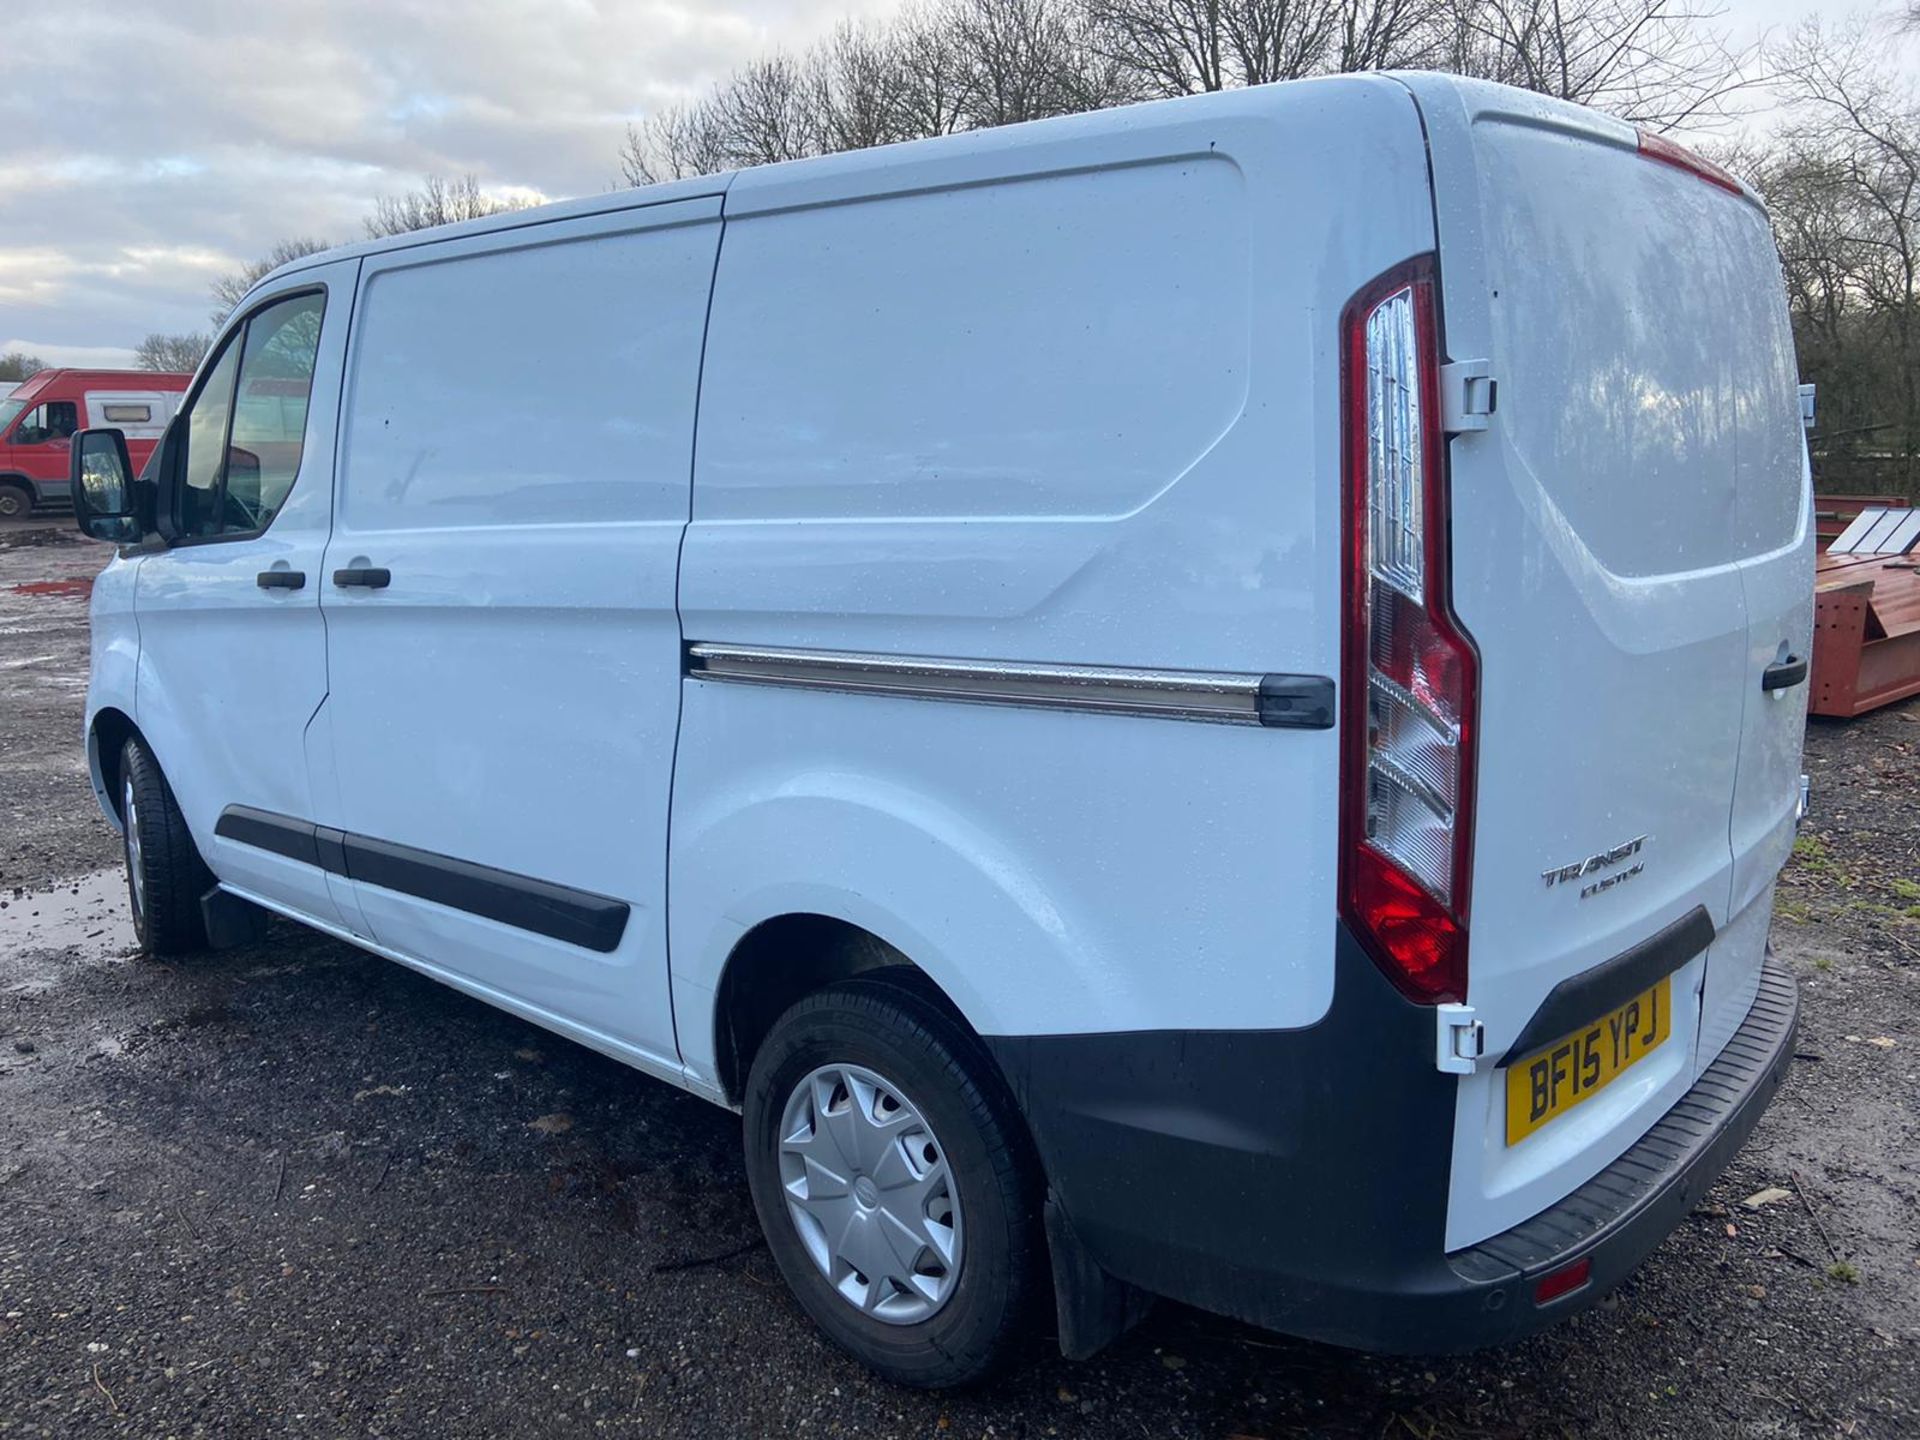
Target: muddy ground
(294, 1189)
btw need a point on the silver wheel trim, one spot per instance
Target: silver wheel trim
(130, 816)
(871, 1194)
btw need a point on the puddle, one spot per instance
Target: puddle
(89, 914)
(73, 585)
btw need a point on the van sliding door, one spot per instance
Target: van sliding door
(504, 652)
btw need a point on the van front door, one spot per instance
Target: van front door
(41, 443)
(502, 638)
(233, 663)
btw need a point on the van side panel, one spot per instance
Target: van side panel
(1066, 395)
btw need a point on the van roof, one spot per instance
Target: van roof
(62, 377)
(846, 174)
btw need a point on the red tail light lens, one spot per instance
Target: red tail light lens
(1658, 147)
(1410, 672)
(1563, 1281)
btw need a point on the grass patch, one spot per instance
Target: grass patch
(1845, 1272)
(1907, 890)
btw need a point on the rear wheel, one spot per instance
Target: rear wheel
(165, 874)
(895, 1183)
(16, 501)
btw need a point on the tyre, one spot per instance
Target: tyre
(16, 501)
(896, 1183)
(165, 874)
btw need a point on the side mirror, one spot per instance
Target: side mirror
(101, 482)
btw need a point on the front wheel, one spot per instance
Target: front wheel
(165, 874)
(895, 1183)
(16, 501)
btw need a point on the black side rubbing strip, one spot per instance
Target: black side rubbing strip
(1581, 999)
(1296, 702)
(591, 921)
(331, 847)
(264, 830)
(579, 917)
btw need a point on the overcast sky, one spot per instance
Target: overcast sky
(147, 147)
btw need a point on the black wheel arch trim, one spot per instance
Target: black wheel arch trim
(560, 912)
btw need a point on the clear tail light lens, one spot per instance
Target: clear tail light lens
(1409, 670)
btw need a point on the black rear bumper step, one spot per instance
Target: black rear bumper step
(1298, 1179)
(1669, 1168)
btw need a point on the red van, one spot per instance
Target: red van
(39, 418)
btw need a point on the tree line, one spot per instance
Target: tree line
(947, 65)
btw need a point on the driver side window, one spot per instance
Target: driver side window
(247, 427)
(55, 420)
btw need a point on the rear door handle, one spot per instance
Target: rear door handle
(1784, 674)
(281, 579)
(372, 577)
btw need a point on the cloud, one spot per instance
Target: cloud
(150, 148)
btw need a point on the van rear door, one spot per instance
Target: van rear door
(1624, 551)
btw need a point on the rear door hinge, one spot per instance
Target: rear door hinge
(1462, 1039)
(1468, 395)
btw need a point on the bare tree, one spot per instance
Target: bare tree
(1844, 190)
(170, 352)
(1028, 59)
(765, 113)
(1385, 34)
(677, 142)
(1658, 63)
(855, 84)
(936, 79)
(230, 289)
(438, 202)
(18, 365)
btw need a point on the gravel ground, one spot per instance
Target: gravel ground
(294, 1189)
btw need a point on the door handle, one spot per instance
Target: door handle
(1784, 674)
(371, 577)
(281, 579)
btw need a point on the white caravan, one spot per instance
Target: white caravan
(1202, 700)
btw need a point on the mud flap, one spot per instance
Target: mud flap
(1092, 1307)
(231, 921)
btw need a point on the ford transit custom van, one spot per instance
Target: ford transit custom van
(1200, 701)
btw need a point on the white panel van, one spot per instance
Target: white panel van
(1200, 701)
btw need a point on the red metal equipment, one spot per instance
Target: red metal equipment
(1833, 513)
(1866, 614)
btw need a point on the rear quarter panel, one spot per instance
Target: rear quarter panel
(1066, 393)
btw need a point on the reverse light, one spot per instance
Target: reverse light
(1409, 671)
(1658, 147)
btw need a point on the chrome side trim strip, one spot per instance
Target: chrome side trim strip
(1284, 701)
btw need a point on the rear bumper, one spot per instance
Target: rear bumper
(1296, 1179)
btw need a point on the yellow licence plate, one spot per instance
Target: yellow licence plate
(1550, 1082)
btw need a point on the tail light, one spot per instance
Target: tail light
(1410, 673)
